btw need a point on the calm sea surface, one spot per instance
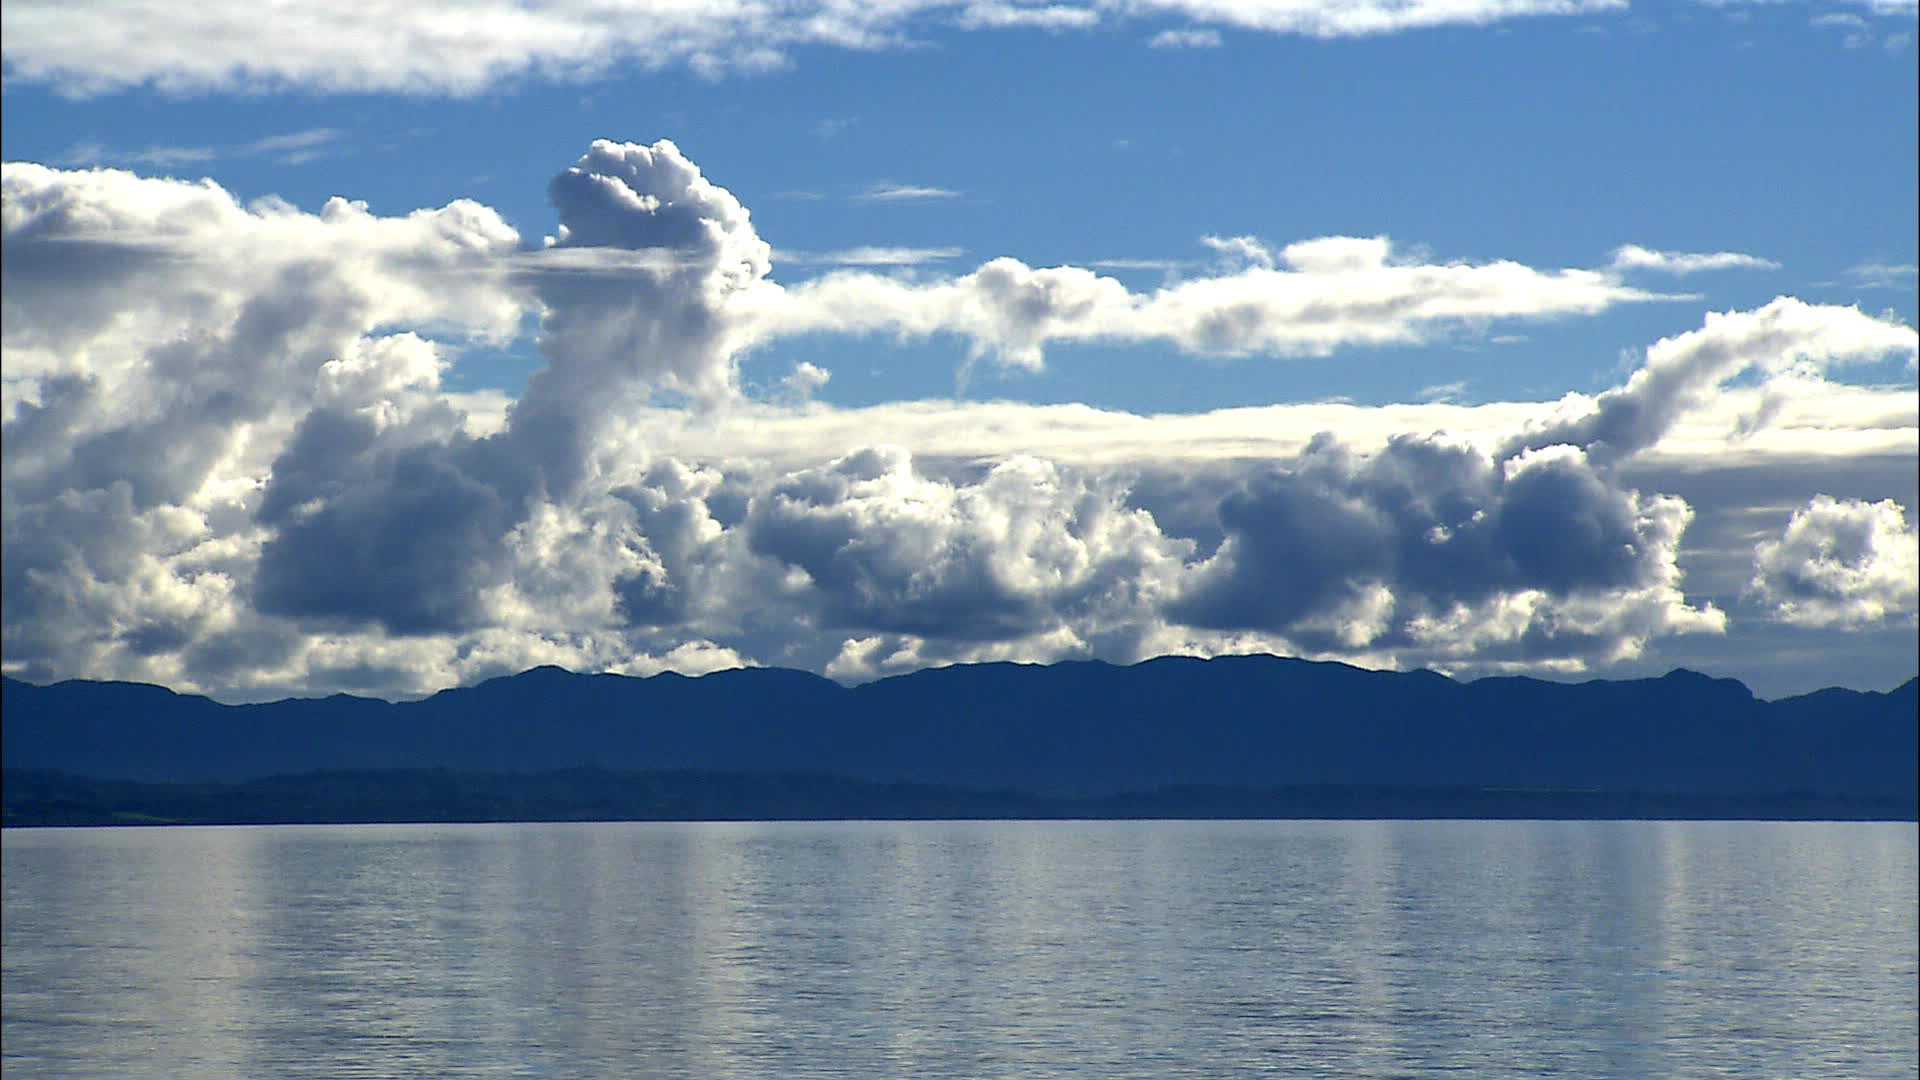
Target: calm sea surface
(1118, 949)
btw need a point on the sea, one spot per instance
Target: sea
(963, 949)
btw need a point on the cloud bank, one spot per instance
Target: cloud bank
(471, 46)
(231, 464)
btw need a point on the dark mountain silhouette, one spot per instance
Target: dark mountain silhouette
(1227, 732)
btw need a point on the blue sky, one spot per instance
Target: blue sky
(1781, 132)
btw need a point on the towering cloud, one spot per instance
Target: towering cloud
(414, 533)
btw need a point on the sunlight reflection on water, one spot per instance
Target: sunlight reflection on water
(1120, 949)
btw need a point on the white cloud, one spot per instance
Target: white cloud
(470, 46)
(1002, 16)
(1249, 251)
(804, 381)
(1845, 20)
(887, 192)
(292, 148)
(1164, 266)
(232, 465)
(1891, 8)
(1362, 17)
(1635, 257)
(93, 152)
(1840, 563)
(1884, 275)
(1682, 372)
(1323, 295)
(869, 256)
(1185, 39)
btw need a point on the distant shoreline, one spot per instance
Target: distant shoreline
(37, 799)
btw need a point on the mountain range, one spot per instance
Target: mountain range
(1172, 735)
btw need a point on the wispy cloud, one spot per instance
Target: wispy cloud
(1907, 8)
(1162, 265)
(1855, 32)
(888, 192)
(1001, 16)
(93, 152)
(292, 148)
(1443, 392)
(1635, 257)
(1881, 275)
(471, 46)
(1185, 39)
(870, 256)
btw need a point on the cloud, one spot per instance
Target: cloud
(1364, 17)
(96, 153)
(1635, 257)
(1311, 298)
(292, 148)
(1185, 39)
(804, 381)
(1890, 8)
(232, 465)
(905, 193)
(1883, 275)
(1246, 251)
(418, 531)
(1433, 547)
(1442, 391)
(1165, 266)
(471, 46)
(1844, 20)
(1840, 563)
(869, 256)
(1681, 372)
(1023, 550)
(1002, 16)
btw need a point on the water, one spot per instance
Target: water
(1118, 949)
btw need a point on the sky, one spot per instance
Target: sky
(380, 348)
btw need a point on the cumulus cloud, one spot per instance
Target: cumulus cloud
(1023, 550)
(804, 381)
(1433, 546)
(473, 45)
(1635, 257)
(416, 532)
(1840, 563)
(231, 465)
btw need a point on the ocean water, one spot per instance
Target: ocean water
(1005, 949)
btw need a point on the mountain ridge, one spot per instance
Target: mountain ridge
(1077, 730)
(1682, 672)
